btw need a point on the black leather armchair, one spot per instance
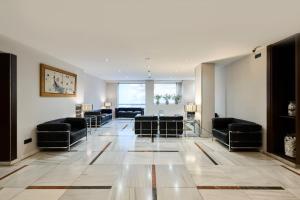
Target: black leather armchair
(146, 125)
(237, 133)
(61, 133)
(170, 126)
(128, 112)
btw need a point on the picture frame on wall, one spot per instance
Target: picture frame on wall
(55, 82)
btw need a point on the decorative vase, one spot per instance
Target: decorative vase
(290, 146)
(157, 102)
(167, 102)
(292, 109)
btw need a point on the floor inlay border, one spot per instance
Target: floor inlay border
(285, 167)
(240, 188)
(68, 187)
(210, 158)
(154, 189)
(99, 154)
(125, 127)
(3, 177)
(155, 151)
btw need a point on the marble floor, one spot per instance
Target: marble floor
(115, 164)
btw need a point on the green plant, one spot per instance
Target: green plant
(176, 98)
(167, 97)
(157, 98)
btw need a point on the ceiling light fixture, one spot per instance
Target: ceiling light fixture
(149, 74)
(147, 60)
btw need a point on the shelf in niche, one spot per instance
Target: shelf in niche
(287, 117)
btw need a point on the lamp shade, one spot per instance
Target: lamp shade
(107, 104)
(190, 108)
(87, 107)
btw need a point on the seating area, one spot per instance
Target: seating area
(128, 112)
(150, 100)
(103, 116)
(164, 126)
(61, 133)
(237, 133)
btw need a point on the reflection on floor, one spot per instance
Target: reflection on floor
(115, 164)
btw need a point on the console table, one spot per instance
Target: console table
(89, 122)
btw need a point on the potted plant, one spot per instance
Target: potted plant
(157, 98)
(176, 98)
(167, 97)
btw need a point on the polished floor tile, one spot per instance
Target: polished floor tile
(178, 194)
(173, 176)
(86, 195)
(135, 176)
(270, 195)
(135, 168)
(141, 158)
(39, 194)
(165, 158)
(9, 193)
(224, 194)
(99, 175)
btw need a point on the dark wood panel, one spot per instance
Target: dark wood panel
(282, 87)
(297, 66)
(13, 112)
(8, 117)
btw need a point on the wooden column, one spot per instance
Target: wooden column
(8, 116)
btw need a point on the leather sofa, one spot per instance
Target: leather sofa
(146, 125)
(61, 133)
(237, 133)
(170, 126)
(103, 116)
(128, 112)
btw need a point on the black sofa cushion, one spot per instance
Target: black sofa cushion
(146, 125)
(128, 112)
(170, 126)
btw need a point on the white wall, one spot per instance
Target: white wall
(188, 95)
(220, 90)
(246, 83)
(188, 91)
(33, 109)
(198, 90)
(94, 91)
(207, 96)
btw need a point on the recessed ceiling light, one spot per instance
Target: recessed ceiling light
(119, 70)
(106, 60)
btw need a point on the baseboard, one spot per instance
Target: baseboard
(284, 161)
(19, 159)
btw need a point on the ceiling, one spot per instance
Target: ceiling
(111, 39)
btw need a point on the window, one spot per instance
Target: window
(131, 95)
(166, 89)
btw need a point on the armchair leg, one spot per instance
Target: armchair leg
(86, 134)
(69, 147)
